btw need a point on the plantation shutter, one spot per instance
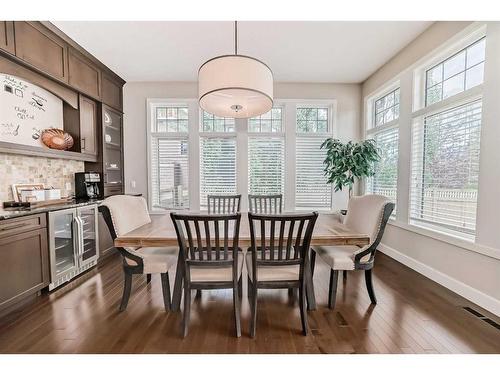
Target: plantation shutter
(311, 189)
(217, 167)
(266, 165)
(445, 169)
(169, 173)
(385, 180)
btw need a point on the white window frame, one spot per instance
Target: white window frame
(289, 133)
(293, 134)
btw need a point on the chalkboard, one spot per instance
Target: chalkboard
(26, 110)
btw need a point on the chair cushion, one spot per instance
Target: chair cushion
(155, 259)
(127, 212)
(204, 274)
(339, 257)
(273, 273)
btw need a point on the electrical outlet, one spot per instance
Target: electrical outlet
(68, 187)
(132, 184)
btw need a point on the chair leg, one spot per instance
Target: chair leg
(240, 287)
(249, 290)
(253, 307)
(187, 308)
(236, 307)
(344, 276)
(313, 261)
(332, 293)
(369, 286)
(303, 310)
(148, 278)
(165, 286)
(127, 287)
(291, 292)
(198, 293)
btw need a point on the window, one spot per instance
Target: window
(212, 123)
(445, 170)
(385, 132)
(385, 180)
(387, 108)
(266, 123)
(217, 157)
(266, 154)
(169, 157)
(311, 190)
(456, 74)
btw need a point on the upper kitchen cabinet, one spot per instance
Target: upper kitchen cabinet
(42, 49)
(83, 75)
(112, 92)
(7, 36)
(88, 126)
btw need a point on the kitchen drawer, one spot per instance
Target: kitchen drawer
(23, 224)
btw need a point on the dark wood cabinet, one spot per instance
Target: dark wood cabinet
(83, 75)
(112, 92)
(88, 126)
(7, 36)
(42, 49)
(24, 259)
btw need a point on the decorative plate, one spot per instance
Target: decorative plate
(57, 139)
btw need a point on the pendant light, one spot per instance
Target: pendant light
(236, 86)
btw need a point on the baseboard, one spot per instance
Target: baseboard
(479, 298)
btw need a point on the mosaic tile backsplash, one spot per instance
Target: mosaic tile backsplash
(18, 169)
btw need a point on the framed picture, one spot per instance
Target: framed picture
(16, 189)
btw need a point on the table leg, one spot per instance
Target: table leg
(311, 300)
(177, 295)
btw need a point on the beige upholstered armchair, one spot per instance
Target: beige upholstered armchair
(367, 214)
(122, 214)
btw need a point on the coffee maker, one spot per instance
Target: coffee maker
(87, 185)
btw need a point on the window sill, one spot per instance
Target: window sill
(449, 239)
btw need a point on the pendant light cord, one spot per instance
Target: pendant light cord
(235, 37)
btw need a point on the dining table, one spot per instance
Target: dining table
(328, 231)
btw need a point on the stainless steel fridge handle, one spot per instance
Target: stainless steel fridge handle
(80, 236)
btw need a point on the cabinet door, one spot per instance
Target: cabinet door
(42, 49)
(90, 237)
(7, 36)
(24, 266)
(88, 126)
(111, 92)
(113, 148)
(63, 244)
(83, 75)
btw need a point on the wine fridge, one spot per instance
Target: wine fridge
(73, 243)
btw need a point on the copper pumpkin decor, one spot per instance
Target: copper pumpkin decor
(57, 139)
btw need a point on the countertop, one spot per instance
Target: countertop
(9, 213)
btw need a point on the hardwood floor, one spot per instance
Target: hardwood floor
(413, 315)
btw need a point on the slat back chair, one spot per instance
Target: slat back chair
(210, 256)
(367, 214)
(265, 204)
(223, 204)
(122, 214)
(278, 256)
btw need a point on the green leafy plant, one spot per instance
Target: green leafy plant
(346, 161)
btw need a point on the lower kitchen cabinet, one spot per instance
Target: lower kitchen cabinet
(24, 259)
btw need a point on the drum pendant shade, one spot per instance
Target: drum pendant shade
(235, 86)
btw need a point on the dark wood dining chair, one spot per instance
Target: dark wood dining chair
(265, 204)
(223, 204)
(368, 215)
(122, 214)
(210, 256)
(278, 256)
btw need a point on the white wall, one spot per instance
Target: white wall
(472, 270)
(347, 97)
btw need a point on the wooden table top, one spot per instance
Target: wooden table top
(160, 232)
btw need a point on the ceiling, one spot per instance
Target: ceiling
(296, 51)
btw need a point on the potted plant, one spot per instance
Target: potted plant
(345, 162)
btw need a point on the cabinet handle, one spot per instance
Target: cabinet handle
(82, 143)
